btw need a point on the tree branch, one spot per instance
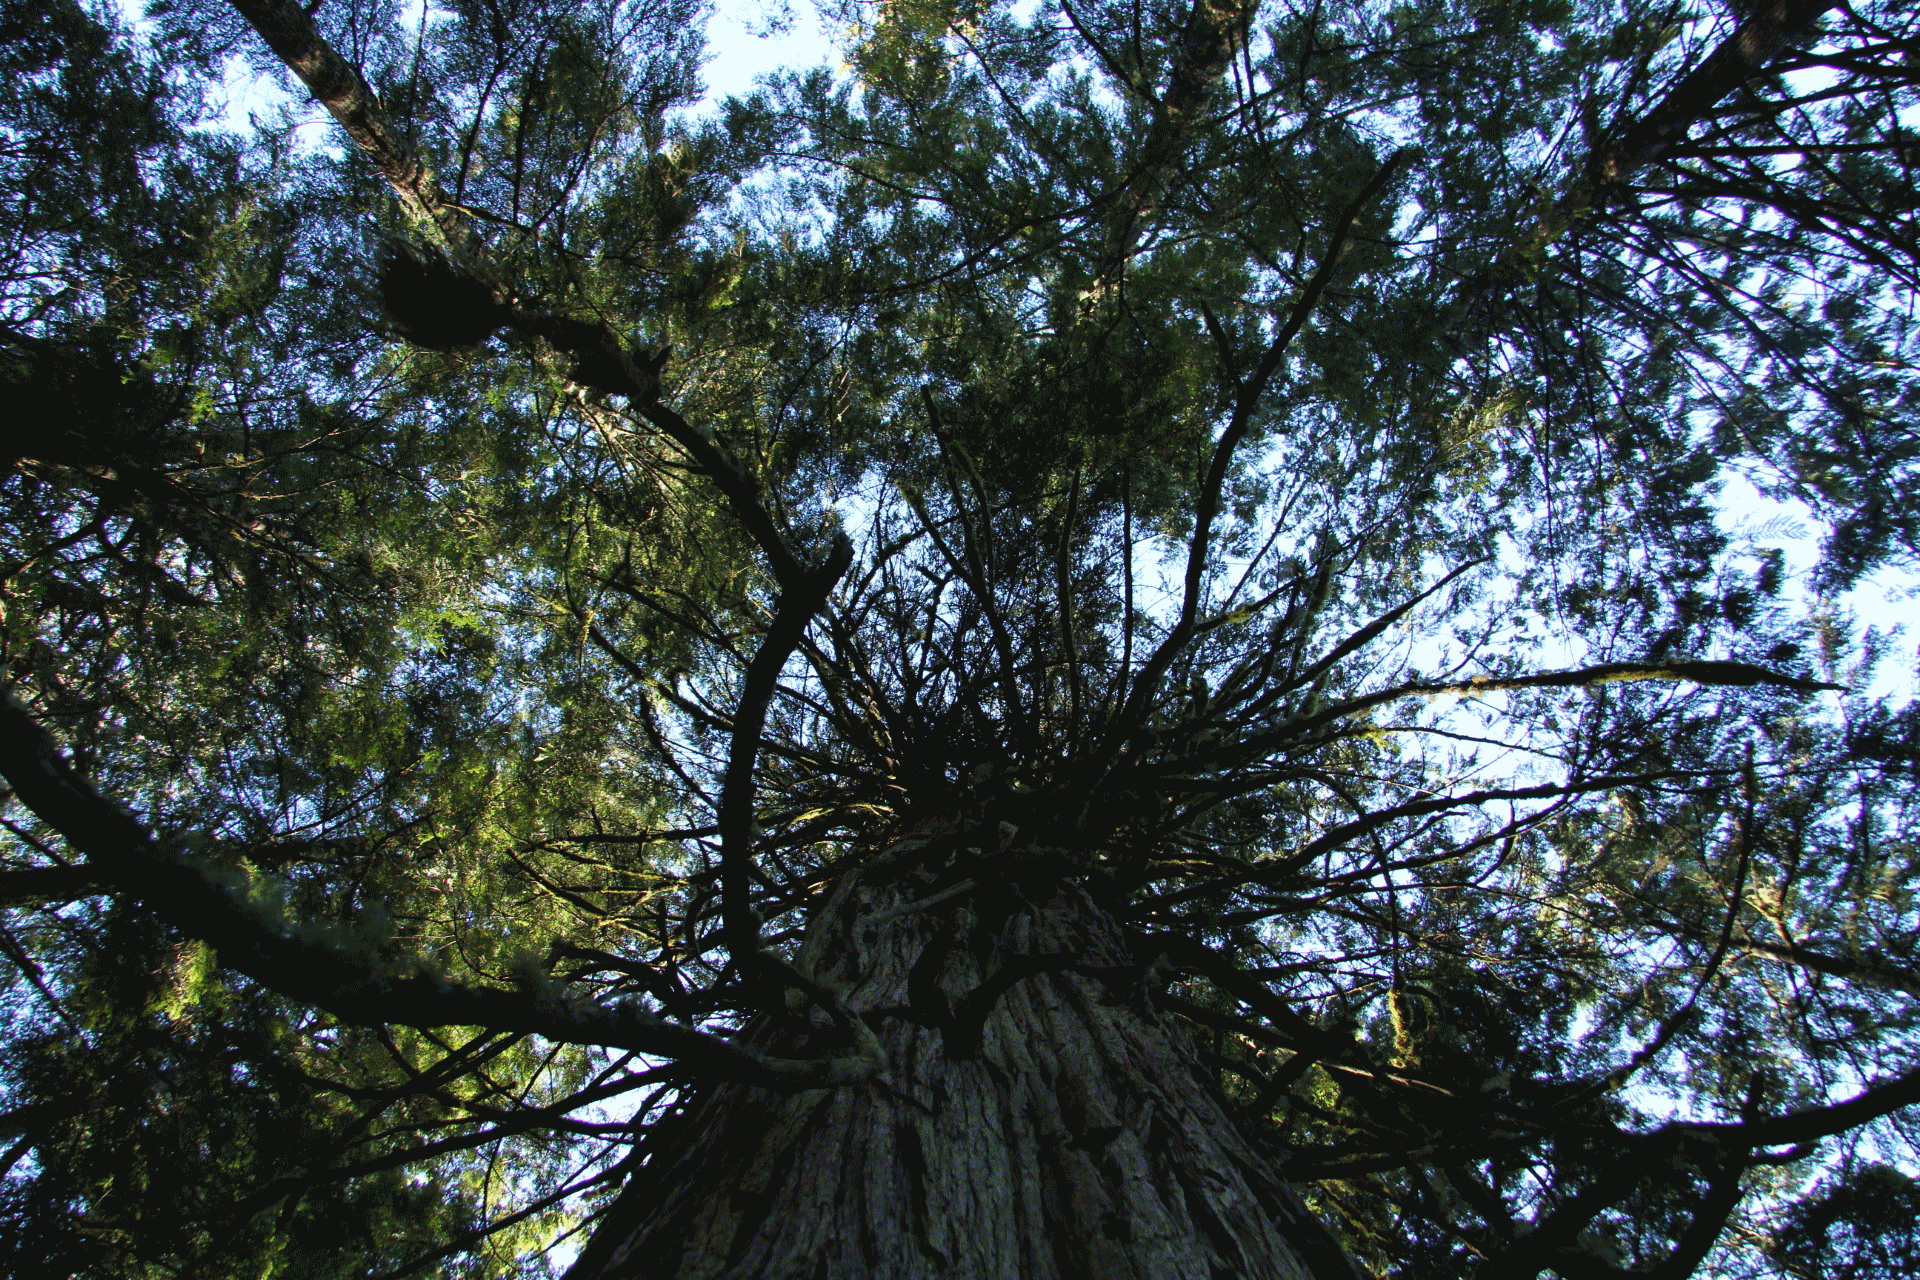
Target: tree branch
(337, 85)
(335, 970)
(601, 362)
(1215, 31)
(1737, 59)
(1212, 488)
(29, 885)
(1871, 971)
(1334, 837)
(797, 606)
(1711, 672)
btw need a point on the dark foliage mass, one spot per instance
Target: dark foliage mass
(434, 305)
(490, 557)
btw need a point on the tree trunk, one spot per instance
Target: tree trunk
(1070, 1132)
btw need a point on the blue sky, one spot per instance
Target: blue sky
(747, 39)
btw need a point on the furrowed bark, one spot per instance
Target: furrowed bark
(1072, 1133)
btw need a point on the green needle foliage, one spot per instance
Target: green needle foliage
(480, 568)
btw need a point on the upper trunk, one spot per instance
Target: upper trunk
(1070, 1133)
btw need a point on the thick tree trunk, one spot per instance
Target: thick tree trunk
(1069, 1133)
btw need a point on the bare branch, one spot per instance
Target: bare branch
(1709, 672)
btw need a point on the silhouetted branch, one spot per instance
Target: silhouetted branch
(337, 970)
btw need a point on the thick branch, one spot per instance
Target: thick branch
(28, 885)
(1736, 60)
(1215, 32)
(1872, 971)
(339, 973)
(1651, 1154)
(337, 85)
(1709, 1220)
(1811, 1123)
(797, 606)
(600, 361)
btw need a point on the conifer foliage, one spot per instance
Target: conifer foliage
(1115, 639)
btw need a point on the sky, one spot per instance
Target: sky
(747, 39)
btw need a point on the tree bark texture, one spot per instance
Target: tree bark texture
(1068, 1131)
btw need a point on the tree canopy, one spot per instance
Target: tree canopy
(488, 570)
